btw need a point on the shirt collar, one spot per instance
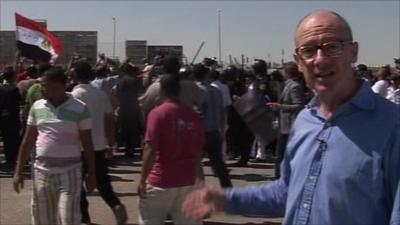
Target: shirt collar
(82, 86)
(363, 99)
(69, 97)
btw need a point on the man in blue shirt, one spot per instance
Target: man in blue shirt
(342, 160)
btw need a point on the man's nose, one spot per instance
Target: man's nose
(319, 56)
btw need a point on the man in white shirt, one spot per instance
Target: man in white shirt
(381, 86)
(394, 89)
(103, 133)
(226, 101)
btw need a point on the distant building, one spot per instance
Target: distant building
(137, 50)
(153, 50)
(83, 43)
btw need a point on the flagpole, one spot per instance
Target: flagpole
(114, 22)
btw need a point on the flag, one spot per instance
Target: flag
(34, 41)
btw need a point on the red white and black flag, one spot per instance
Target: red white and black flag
(34, 41)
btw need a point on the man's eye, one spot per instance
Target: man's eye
(331, 46)
(307, 50)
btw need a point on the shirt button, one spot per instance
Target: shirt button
(327, 125)
(311, 177)
(305, 205)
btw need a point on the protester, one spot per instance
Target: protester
(174, 138)
(239, 136)
(362, 72)
(59, 125)
(212, 113)
(397, 65)
(343, 154)
(9, 118)
(394, 89)
(189, 94)
(104, 80)
(25, 84)
(261, 86)
(381, 86)
(219, 82)
(129, 117)
(103, 134)
(33, 94)
(289, 105)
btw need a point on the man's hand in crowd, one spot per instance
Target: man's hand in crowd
(274, 106)
(18, 182)
(141, 189)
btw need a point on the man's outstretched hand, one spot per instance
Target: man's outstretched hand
(204, 202)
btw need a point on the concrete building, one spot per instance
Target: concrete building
(154, 50)
(137, 50)
(83, 43)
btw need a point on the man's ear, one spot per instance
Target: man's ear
(354, 52)
(298, 61)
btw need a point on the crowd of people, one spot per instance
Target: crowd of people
(70, 120)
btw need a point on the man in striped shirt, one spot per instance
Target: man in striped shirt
(59, 125)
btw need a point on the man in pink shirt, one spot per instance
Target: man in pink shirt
(174, 137)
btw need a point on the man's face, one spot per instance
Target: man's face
(324, 72)
(50, 89)
(397, 66)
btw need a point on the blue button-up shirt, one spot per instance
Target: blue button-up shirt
(341, 170)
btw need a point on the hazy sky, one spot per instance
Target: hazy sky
(252, 28)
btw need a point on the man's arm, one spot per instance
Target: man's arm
(149, 153)
(24, 152)
(267, 200)
(393, 176)
(151, 98)
(87, 145)
(297, 95)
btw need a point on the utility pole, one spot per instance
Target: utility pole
(219, 37)
(114, 23)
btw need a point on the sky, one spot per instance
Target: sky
(257, 29)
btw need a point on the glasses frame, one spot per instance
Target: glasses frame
(321, 47)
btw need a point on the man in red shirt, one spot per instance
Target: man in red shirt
(171, 156)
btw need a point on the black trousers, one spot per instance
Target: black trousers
(239, 137)
(213, 148)
(103, 185)
(10, 128)
(280, 152)
(130, 131)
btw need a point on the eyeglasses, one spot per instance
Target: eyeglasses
(332, 48)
